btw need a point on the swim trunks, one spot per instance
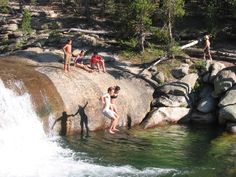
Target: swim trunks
(67, 59)
(108, 113)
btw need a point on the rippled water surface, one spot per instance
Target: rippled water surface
(182, 151)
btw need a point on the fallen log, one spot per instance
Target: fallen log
(189, 44)
(158, 60)
(65, 31)
(216, 55)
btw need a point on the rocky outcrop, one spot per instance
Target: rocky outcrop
(80, 93)
(181, 71)
(164, 115)
(210, 101)
(171, 102)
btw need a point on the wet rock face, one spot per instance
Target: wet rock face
(19, 75)
(78, 92)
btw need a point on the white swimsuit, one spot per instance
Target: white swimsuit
(107, 111)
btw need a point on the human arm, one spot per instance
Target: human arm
(64, 49)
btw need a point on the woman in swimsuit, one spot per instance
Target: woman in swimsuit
(79, 62)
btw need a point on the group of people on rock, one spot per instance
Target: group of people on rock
(96, 62)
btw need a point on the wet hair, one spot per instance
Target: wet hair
(110, 89)
(116, 88)
(69, 40)
(95, 53)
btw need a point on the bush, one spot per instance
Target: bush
(3, 2)
(26, 22)
(161, 35)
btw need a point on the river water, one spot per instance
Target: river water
(178, 151)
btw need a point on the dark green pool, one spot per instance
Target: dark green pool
(189, 151)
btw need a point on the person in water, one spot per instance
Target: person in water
(108, 111)
(113, 98)
(79, 62)
(207, 48)
(97, 62)
(67, 55)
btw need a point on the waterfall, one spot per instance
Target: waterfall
(26, 151)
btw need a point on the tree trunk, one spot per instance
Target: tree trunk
(170, 26)
(87, 9)
(21, 5)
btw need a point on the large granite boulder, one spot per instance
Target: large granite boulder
(165, 115)
(169, 100)
(207, 104)
(181, 71)
(227, 114)
(190, 80)
(178, 88)
(80, 93)
(229, 98)
(225, 79)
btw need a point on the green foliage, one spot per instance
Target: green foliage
(3, 3)
(161, 35)
(109, 6)
(4, 7)
(173, 8)
(212, 14)
(26, 22)
(173, 48)
(130, 44)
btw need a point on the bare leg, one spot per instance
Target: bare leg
(98, 66)
(103, 66)
(115, 123)
(68, 67)
(209, 54)
(110, 129)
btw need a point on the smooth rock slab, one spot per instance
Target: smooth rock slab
(165, 115)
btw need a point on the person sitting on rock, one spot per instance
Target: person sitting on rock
(79, 62)
(107, 110)
(97, 62)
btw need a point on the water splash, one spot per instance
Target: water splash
(25, 150)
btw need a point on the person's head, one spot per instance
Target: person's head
(82, 52)
(110, 90)
(206, 37)
(95, 53)
(69, 41)
(116, 88)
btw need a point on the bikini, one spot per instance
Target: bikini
(114, 96)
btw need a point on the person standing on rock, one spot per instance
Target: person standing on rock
(107, 110)
(207, 48)
(67, 49)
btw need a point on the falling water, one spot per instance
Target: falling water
(26, 151)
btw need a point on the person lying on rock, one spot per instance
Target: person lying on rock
(79, 62)
(107, 110)
(97, 62)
